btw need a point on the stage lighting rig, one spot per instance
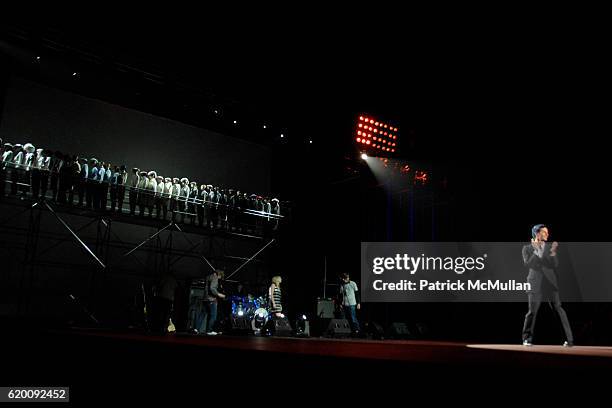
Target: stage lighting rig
(376, 137)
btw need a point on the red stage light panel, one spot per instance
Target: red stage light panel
(370, 132)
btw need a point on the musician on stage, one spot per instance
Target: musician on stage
(349, 294)
(275, 296)
(212, 295)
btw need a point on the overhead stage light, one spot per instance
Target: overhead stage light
(379, 129)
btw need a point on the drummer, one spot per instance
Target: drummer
(245, 304)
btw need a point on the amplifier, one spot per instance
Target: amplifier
(280, 326)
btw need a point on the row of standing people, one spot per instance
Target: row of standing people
(97, 183)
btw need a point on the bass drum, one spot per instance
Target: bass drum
(260, 319)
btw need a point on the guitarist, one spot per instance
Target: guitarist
(212, 296)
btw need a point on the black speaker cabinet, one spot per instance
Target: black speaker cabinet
(337, 328)
(325, 308)
(280, 326)
(399, 330)
(374, 330)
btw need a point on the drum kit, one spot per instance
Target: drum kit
(251, 308)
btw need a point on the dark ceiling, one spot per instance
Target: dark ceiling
(299, 81)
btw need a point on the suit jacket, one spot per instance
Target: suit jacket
(540, 268)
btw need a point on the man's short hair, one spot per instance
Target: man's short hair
(344, 275)
(536, 228)
(220, 273)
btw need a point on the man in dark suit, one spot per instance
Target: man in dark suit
(541, 259)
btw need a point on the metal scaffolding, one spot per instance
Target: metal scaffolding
(211, 247)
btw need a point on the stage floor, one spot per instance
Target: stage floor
(406, 351)
(139, 366)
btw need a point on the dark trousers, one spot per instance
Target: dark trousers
(96, 193)
(150, 203)
(133, 197)
(213, 216)
(200, 215)
(103, 195)
(44, 183)
(35, 183)
(535, 299)
(82, 187)
(14, 180)
(191, 209)
(209, 317)
(63, 187)
(158, 206)
(120, 197)
(90, 187)
(173, 207)
(231, 218)
(113, 197)
(350, 313)
(54, 185)
(181, 207)
(72, 189)
(164, 207)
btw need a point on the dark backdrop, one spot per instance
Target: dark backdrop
(59, 120)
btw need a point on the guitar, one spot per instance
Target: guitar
(171, 328)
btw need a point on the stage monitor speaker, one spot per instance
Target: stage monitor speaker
(399, 330)
(374, 330)
(338, 328)
(280, 326)
(325, 308)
